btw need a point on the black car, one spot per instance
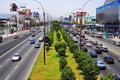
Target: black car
(95, 43)
(33, 35)
(109, 59)
(93, 54)
(85, 49)
(98, 50)
(1, 38)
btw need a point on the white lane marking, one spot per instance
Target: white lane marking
(105, 54)
(16, 67)
(108, 67)
(7, 78)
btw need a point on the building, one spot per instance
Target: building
(108, 16)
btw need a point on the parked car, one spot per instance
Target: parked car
(16, 36)
(109, 59)
(118, 43)
(93, 54)
(101, 64)
(16, 57)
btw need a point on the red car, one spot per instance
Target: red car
(16, 36)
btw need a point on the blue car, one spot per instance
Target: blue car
(32, 41)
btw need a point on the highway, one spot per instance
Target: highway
(18, 70)
(10, 42)
(111, 68)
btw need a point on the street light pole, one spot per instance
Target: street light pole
(81, 20)
(44, 28)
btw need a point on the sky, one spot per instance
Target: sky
(54, 7)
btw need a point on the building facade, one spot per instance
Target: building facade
(109, 16)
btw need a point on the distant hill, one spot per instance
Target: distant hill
(5, 15)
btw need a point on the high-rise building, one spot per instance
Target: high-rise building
(109, 16)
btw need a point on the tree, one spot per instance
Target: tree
(62, 63)
(108, 77)
(67, 74)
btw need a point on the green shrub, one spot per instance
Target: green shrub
(62, 63)
(60, 45)
(61, 52)
(67, 74)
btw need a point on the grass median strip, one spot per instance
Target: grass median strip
(50, 71)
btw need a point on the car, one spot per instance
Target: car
(118, 43)
(33, 35)
(16, 57)
(105, 49)
(93, 54)
(95, 43)
(109, 59)
(31, 38)
(101, 64)
(1, 38)
(41, 39)
(98, 50)
(88, 44)
(32, 41)
(116, 77)
(37, 45)
(16, 36)
(85, 48)
(119, 59)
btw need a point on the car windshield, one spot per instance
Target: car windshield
(101, 63)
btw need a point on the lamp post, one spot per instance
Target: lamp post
(43, 26)
(81, 20)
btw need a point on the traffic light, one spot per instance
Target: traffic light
(14, 7)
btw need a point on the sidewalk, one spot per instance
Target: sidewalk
(114, 39)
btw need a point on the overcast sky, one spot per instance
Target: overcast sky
(54, 7)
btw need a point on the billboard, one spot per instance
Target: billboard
(24, 12)
(81, 13)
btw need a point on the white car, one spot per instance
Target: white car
(16, 57)
(41, 39)
(105, 49)
(101, 64)
(88, 44)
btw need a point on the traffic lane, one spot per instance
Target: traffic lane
(21, 73)
(9, 65)
(9, 70)
(9, 39)
(102, 72)
(111, 68)
(23, 68)
(5, 48)
(4, 57)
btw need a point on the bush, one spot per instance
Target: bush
(61, 52)
(62, 63)
(67, 74)
(60, 45)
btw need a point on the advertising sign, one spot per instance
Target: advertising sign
(81, 13)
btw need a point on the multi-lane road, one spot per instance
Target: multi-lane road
(18, 70)
(111, 68)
